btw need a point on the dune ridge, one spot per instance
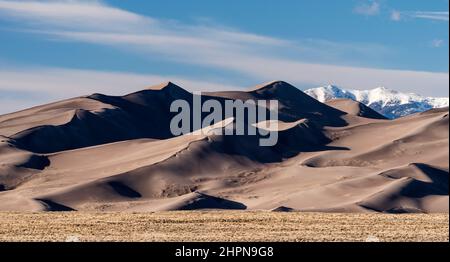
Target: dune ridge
(116, 153)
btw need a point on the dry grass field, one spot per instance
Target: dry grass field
(222, 226)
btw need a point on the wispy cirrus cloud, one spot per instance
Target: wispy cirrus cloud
(260, 57)
(429, 15)
(437, 43)
(374, 7)
(96, 16)
(368, 8)
(25, 87)
(67, 13)
(396, 15)
(441, 16)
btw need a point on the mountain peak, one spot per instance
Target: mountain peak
(328, 92)
(383, 90)
(391, 103)
(169, 88)
(380, 89)
(278, 90)
(271, 85)
(163, 86)
(332, 87)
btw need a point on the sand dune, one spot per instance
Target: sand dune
(293, 103)
(354, 108)
(54, 114)
(111, 153)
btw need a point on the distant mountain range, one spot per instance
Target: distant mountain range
(390, 103)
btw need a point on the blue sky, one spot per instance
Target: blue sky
(58, 49)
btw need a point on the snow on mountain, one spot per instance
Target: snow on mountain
(391, 103)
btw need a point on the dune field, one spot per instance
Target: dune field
(109, 153)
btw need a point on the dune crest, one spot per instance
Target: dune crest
(116, 153)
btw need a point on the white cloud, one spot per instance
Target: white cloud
(266, 68)
(44, 85)
(368, 8)
(67, 13)
(77, 16)
(8, 105)
(74, 82)
(436, 16)
(426, 83)
(396, 15)
(437, 43)
(441, 16)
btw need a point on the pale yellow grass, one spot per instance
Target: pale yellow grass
(222, 226)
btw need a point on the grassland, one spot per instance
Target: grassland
(222, 226)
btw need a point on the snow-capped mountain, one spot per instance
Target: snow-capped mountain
(390, 103)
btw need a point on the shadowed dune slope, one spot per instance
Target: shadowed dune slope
(17, 166)
(224, 160)
(403, 141)
(111, 153)
(100, 119)
(293, 103)
(144, 114)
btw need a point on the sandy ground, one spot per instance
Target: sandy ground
(222, 226)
